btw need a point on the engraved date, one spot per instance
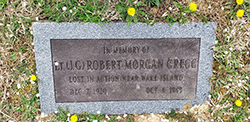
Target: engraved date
(88, 91)
(154, 90)
(97, 91)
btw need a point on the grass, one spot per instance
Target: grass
(230, 80)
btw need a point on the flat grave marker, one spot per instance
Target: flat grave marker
(118, 69)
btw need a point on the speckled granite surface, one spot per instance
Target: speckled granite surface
(43, 32)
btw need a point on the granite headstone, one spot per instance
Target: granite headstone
(118, 69)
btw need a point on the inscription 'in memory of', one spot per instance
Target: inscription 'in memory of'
(87, 70)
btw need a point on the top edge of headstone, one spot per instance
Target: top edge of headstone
(214, 24)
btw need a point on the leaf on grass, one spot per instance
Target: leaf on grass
(157, 2)
(135, 20)
(13, 57)
(227, 7)
(221, 66)
(25, 117)
(129, 20)
(222, 81)
(174, 19)
(84, 118)
(91, 116)
(147, 22)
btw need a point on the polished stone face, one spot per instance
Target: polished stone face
(87, 70)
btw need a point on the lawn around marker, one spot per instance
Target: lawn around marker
(230, 83)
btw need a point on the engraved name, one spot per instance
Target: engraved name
(169, 63)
